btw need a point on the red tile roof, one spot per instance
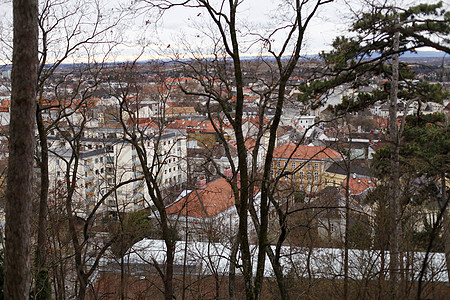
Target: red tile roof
(305, 152)
(142, 122)
(358, 185)
(255, 121)
(216, 198)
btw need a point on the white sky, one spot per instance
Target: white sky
(183, 28)
(328, 23)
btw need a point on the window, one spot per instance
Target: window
(293, 165)
(308, 176)
(316, 176)
(308, 166)
(316, 188)
(101, 159)
(57, 162)
(102, 171)
(308, 188)
(293, 176)
(58, 173)
(96, 160)
(316, 166)
(300, 175)
(96, 172)
(278, 164)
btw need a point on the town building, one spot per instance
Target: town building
(303, 165)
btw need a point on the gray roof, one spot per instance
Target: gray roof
(357, 166)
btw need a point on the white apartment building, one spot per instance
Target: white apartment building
(105, 163)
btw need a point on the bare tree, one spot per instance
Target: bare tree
(21, 148)
(228, 46)
(65, 33)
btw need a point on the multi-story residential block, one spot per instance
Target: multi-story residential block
(105, 163)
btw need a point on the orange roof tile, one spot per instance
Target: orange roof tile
(142, 122)
(216, 198)
(305, 152)
(175, 110)
(255, 121)
(358, 185)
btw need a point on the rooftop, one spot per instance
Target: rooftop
(305, 152)
(217, 197)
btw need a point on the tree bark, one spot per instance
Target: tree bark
(394, 206)
(42, 288)
(19, 192)
(445, 223)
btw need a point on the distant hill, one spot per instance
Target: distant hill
(424, 54)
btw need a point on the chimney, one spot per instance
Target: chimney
(228, 173)
(201, 183)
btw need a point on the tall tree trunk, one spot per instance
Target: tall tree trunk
(42, 288)
(232, 269)
(445, 223)
(19, 194)
(347, 224)
(395, 237)
(242, 203)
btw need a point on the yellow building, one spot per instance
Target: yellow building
(302, 165)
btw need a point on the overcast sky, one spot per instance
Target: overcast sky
(182, 30)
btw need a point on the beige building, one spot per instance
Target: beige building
(303, 165)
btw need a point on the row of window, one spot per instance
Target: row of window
(300, 175)
(294, 165)
(310, 188)
(173, 180)
(174, 169)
